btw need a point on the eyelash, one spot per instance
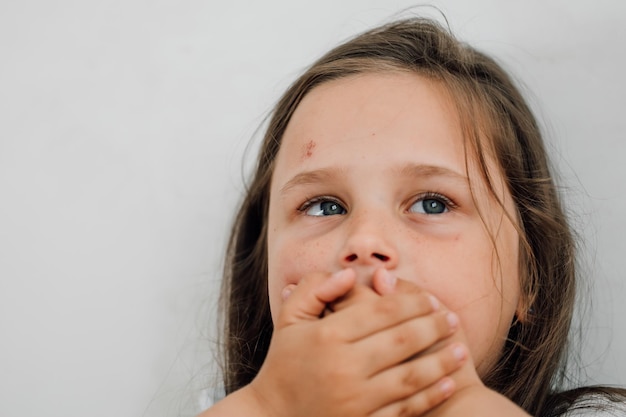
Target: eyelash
(313, 200)
(435, 196)
(449, 203)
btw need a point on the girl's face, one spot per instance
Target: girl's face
(372, 173)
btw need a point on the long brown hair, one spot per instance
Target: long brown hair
(491, 107)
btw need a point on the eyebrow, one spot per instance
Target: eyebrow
(312, 177)
(409, 170)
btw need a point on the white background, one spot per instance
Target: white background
(123, 126)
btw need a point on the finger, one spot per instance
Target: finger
(358, 294)
(309, 298)
(384, 282)
(379, 313)
(423, 383)
(421, 402)
(412, 376)
(379, 283)
(405, 340)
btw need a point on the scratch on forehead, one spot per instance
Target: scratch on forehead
(307, 150)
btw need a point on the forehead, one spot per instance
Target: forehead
(361, 118)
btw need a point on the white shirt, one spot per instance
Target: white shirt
(596, 406)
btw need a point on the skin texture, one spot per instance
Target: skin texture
(379, 258)
(333, 366)
(377, 145)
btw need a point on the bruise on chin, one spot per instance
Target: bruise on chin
(307, 150)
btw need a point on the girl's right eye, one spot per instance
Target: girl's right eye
(322, 207)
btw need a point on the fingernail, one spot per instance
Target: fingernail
(434, 302)
(446, 386)
(287, 291)
(459, 352)
(453, 320)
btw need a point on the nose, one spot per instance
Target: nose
(369, 245)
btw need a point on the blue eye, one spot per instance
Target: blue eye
(323, 208)
(430, 205)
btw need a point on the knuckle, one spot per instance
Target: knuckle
(401, 338)
(441, 364)
(427, 400)
(413, 378)
(421, 402)
(405, 411)
(415, 406)
(432, 398)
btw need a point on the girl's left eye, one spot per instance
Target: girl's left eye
(321, 208)
(431, 204)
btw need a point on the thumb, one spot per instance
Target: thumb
(309, 298)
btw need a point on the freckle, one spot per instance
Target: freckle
(307, 149)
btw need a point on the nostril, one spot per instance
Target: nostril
(379, 256)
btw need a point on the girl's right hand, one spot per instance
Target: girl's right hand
(355, 362)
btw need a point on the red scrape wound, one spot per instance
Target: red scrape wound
(307, 150)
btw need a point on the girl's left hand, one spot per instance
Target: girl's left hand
(471, 397)
(464, 377)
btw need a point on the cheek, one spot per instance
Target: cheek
(290, 259)
(477, 299)
(485, 321)
(481, 290)
(487, 318)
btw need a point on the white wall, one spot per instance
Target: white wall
(122, 130)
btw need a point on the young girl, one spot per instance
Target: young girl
(402, 249)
